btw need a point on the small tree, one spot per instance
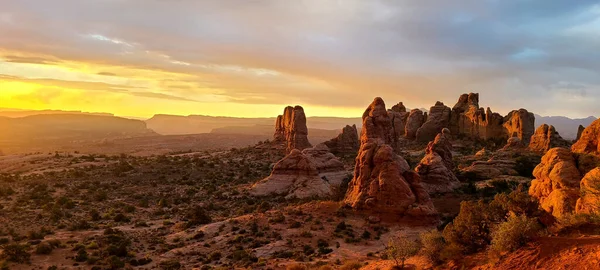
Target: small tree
(400, 249)
(432, 245)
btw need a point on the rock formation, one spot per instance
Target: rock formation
(556, 183)
(520, 123)
(377, 124)
(399, 116)
(436, 167)
(589, 188)
(579, 132)
(475, 122)
(437, 119)
(291, 128)
(310, 173)
(569, 181)
(492, 168)
(589, 142)
(415, 120)
(383, 182)
(329, 167)
(546, 138)
(345, 143)
(470, 120)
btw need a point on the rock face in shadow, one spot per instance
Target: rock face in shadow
(383, 182)
(589, 189)
(579, 132)
(556, 183)
(437, 119)
(546, 138)
(345, 143)
(589, 141)
(291, 128)
(415, 120)
(436, 167)
(399, 117)
(303, 174)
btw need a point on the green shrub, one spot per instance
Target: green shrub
(514, 233)
(170, 265)
(351, 265)
(17, 253)
(198, 216)
(470, 230)
(43, 249)
(525, 165)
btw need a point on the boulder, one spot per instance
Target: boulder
(436, 168)
(589, 189)
(383, 182)
(312, 172)
(546, 138)
(329, 167)
(415, 120)
(589, 142)
(346, 142)
(295, 176)
(291, 129)
(437, 119)
(520, 123)
(556, 183)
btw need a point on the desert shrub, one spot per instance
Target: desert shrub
(526, 164)
(351, 265)
(17, 253)
(470, 230)
(44, 248)
(115, 263)
(576, 221)
(170, 265)
(514, 233)
(518, 202)
(81, 256)
(197, 216)
(400, 249)
(432, 244)
(296, 266)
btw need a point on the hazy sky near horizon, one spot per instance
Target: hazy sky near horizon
(251, 58)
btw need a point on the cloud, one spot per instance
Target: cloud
(327, 52)
(90, 86)
(29, 60)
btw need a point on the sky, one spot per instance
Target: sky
(250, 58)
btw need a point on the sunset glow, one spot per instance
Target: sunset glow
(332, 57)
